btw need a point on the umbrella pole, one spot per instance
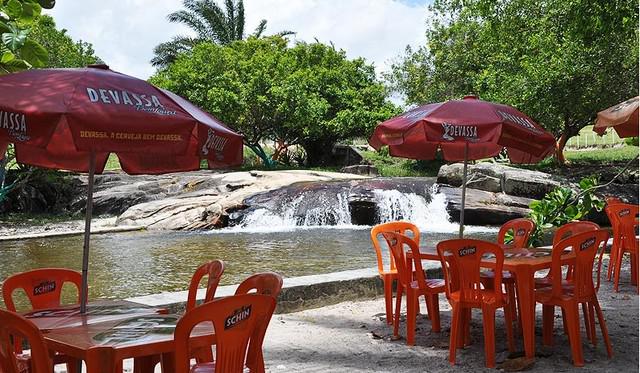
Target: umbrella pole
(87, 235)
(464, 188)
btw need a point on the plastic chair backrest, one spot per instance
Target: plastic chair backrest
(462, 262)
(584, 246)
(397, 243)
(267, 283)
(394, 226)
(521, 229)
(214, 270)
(14, 327)
(625, 224)
(235, 319)
(573, 228)
(42, 286)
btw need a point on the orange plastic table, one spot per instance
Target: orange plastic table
(524, 263)
(104, 344)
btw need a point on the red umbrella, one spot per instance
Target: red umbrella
(73, 118)
(464, 129)
(622, 117)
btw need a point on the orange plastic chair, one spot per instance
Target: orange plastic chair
(461, 261)
(388, 275)
(625, 223)
(421, 286)
(616, 236)
(43, 287)
(521, 230)
(267, 283)
(13, 329)
(235, 320)
(213, 270)
(585, 246)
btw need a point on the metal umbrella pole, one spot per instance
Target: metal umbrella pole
(84, 292)
(464, 188)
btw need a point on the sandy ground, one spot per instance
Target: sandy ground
(354, 337)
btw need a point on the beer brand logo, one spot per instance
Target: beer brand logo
(522, 122)
(469, 250)
(587, 244)
(449, 131)
(44, 287)
(520, 232)
(15, 124)
(141, 102)
(215, 142)
(237, 316)
(624, 212)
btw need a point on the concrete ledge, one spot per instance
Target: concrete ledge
(75, 232)
(299, 293)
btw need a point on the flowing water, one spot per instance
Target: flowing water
(138, 263)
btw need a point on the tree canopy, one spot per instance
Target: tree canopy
(309, 95)
(559, 61)
(63, 51)
(211, 24)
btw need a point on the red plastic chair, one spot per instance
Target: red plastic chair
(625, 223)
(235, 320)
(616, 237)
(585, 246)
(389, 274)
(521, 230)
(421, 286)
(461, 262)
(213, 270)
(43, 287)
(267, 283)
(13, 329)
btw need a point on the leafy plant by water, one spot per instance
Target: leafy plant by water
(563, 205)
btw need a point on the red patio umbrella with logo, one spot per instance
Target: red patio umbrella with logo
(623, 118)
(464, 129)
(72, 119)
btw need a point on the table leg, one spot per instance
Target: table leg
(526, 297)
(100, 360)
(168, 362)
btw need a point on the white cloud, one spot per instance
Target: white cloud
(124, 32)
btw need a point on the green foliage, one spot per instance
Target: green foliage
(389, 166)
(309, 94)
(631, 141)
(211, 24)
(559, 61)
(63, 50)
(18, 51)
(563, 205)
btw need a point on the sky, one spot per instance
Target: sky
(124, 32)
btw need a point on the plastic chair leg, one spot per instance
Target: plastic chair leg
(564, 322)
(603, 328)
(508, 318)
(411, 317)
(587, 324)
(592, 322)
(388, 298)
(396, 316)
(548, 313)
(573, 324)
(72, 365)
(456, 321)
(634, 269)
(488, 325)
(434, 312)
(616, 271)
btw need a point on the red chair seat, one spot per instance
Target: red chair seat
(506, 275)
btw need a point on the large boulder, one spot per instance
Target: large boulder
(484, 208)
(526, 183)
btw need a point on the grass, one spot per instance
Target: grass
(391, 166)
(112, 163)
(586, 138)
(618, 154)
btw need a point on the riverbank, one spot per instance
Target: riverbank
(24, 230)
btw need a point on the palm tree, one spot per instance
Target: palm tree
(211, 24)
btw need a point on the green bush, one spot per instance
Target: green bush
(631, 141)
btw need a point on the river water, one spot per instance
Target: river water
(139, 263)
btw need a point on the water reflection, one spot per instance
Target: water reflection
(138, 263)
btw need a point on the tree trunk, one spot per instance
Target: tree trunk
(562, 141)
(319, 152)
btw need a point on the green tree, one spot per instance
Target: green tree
(559, 61)
(309, 95)
(63, 50)
(211, 23)
(18, 51)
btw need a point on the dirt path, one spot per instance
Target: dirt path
(353, 337)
